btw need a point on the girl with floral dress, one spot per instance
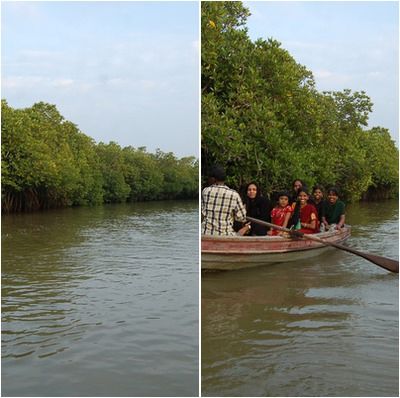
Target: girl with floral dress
(281, 213)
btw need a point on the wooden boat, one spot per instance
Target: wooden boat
(234, 252)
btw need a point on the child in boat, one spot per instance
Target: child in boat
(317, 199)
(281, 213)
(307, 213)
(333, 210)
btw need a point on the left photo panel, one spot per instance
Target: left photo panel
(99, 174)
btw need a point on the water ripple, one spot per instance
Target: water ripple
(116, 285)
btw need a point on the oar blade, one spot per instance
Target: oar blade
(384, 262)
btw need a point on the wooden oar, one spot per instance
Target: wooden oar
(384, 262)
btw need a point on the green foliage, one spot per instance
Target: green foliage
(47, 162)
(262, 117)
(112, 169)
(143, 174)
(382, 160)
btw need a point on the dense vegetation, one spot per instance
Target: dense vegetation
(47, 162)
(262, 117)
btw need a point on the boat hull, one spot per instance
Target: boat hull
(234, 252)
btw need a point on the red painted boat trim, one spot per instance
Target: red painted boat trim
(225, 246)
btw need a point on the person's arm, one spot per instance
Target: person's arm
(323, 215)
(240, 211)
(342, 208)
(313, 217)
(203, 209)
(341, 222)
(287, 218)
(311, 225)
(245, 230)
(265, 209)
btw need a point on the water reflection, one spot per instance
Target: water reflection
(111, 289)
(295, 329)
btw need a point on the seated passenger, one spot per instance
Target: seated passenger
(317, 199)
(220, 206)
(257, 206)
(334, 210)
(296, 186)
(281, 213)
(308, 215)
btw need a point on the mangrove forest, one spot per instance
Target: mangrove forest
(263, 118)
(47, 162)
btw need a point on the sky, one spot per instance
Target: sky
(129, 71)
(121, 71)
(344, 44)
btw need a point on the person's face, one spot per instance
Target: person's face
(332, 198)
(297, 185)
(251, 191)
(283, 201)
(303, 197)
(318, 194)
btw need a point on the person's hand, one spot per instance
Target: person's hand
(295, 234)
(245, 230)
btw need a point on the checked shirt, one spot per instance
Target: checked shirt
(220, 206)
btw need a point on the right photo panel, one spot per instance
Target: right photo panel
(299, 198)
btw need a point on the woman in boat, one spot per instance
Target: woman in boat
(296, 186)
(333, 210)
(317, 199)
(281, 213)
(257, 206)
(308, 215)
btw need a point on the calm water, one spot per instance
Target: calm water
(101, 301)
(321, 327)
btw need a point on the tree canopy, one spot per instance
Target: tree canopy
(48, 162)
(262, 117)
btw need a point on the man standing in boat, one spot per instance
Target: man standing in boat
(220, 206)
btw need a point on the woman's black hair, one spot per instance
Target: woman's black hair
(246, 200)
(318, 186)
(304, 189)
(297, 179)
(294, 193)
(334, 190)
(282, 193)
(258, 194)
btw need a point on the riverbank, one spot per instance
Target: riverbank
(47, 162)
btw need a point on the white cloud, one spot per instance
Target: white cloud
(62, 82)
(26, 9)
(322, 74)
(196, 46)
(14, 82)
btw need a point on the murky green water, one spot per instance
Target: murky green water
(327, 326)
(101, 301)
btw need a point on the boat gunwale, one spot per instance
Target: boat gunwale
(303, 244)
(346, 230)
(221, 250)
